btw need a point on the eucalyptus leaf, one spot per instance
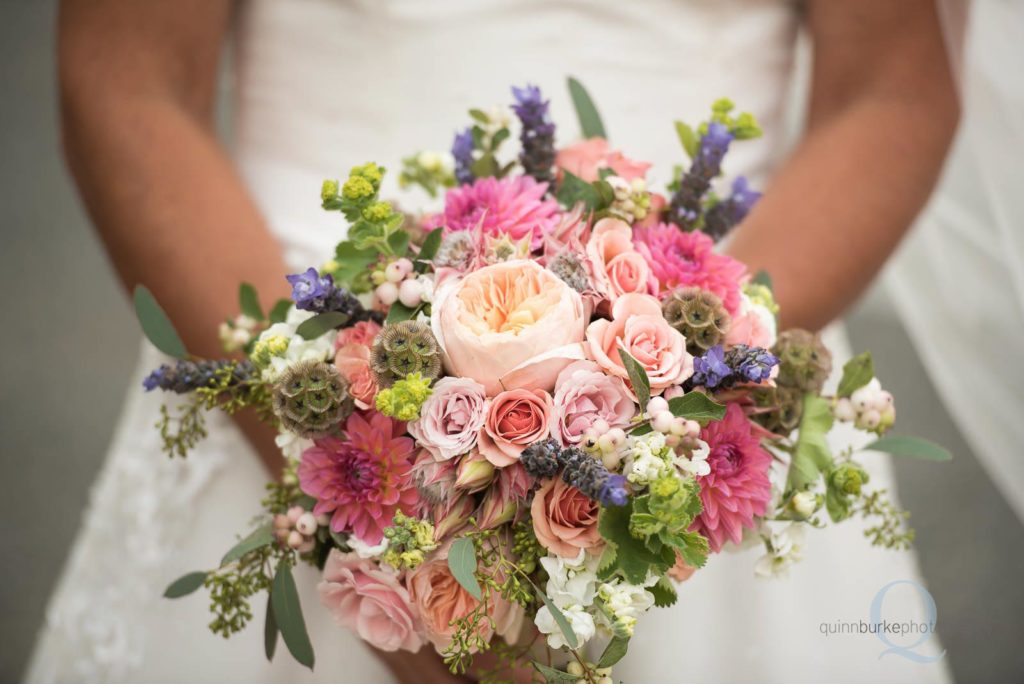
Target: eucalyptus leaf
(284, 599)
(314, 327)
(590, 120)
(185, 585)
(637, 378)
(400, 312)
(156, 325)
(249, 302)
(553, 676)
(260, 537)
(279, 312)
(270, 629)
(857, 372)
(911, 447)
(696, 406)
(462, 563)
(613, 652)
(431, 244)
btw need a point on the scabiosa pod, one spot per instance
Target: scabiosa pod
(804, 360)
(538, 133)
(311, 398)
(405, 348)
(699, 315)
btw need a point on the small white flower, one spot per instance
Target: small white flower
(291, 445)
(299, 349)
(697, 464)
(364, 550)
(624, 603)
(571, 581)
(785, 545)
(580, 620)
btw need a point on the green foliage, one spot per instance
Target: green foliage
(426, 172)
(890, 530)
(811, 455)
(405, 398)
(270, 631)
(314, 327)
(156, 325)
(663, 517)
(180, 434)
(232, 587)
(553, 676)
(462, 563)
(185, 585)
(763, 278)
(634, 557)
(399, 312)
(664, 593)
(613, 652)
(697, 406)
(743, 126)
(372, 222)
(284, 598)
(249, 302)
(279, 312)
(428, 250)
(637, 378)
(688, 139)
(857, 372)
(910, 447)
(574, 190)
(586, 111)
(259, 538)
(352, 266)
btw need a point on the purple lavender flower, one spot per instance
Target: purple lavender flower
(592, 478)
(725, 215)
(686, 206)
(613, 491)
(186, 376)
(538, 132)
(462, 150)
(711, 370)
(310, 290)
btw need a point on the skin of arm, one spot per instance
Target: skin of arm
(137, 84)
(883, 111)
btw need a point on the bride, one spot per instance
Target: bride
(321, 85)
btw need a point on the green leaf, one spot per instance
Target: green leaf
(399, 242)
(811, 455)
(691, 545)
(284, 599)
(560, 620)
(400, 312)
(480, 115)
(696, 406)
(664, 593)
(762, 278)
(688, 139)
(637, 378)
(249, 302)
(553, 676)
(633, 558)
(314, 327)
(260, 537)
(280, 310)
(857, 372)
(590, 120)
(185, 585)
(351, 261)
(911, 447)
(270, 629)
(574, 189)
(500, 137)
(156, 325)
(462, 563)
(431, 243)
(613, 652)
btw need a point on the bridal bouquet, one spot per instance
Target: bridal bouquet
(548, 402)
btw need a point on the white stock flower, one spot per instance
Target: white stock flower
(571, 586)
(785, 546)
(318, 349)
(648, 458)
(697, 464)
(580, 620)
(623, 605)
(291, 445)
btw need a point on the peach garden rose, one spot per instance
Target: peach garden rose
(516, 419)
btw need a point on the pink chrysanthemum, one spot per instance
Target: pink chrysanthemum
(513, 206)
(681, 259)
(363, 478)
(737, 487)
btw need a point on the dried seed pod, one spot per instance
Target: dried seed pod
(699, 315)
(804, 360)
(311, 398)
(404, 348)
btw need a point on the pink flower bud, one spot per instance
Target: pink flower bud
(451, 516)
(474, 473)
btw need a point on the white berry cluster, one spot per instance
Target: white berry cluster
(296, 529)
(632, 201)
(398, 282)
(870, 408)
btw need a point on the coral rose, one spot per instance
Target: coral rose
(440, 599)
(564, 519)
(587, 158)
(363, 332)
(638, 327)
(618, 267)
(509, 325)
(353, 362)
(517, 418)
(369, 599)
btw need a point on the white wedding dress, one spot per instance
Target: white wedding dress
(322, 85)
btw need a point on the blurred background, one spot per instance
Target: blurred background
(70, 343)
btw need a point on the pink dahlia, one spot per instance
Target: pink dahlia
(681, 259)
(737, 487)
(512, 206)
(363, 478)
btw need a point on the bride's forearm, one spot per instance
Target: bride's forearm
(883, 111)
(160, 189)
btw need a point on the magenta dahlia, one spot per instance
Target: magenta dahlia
(681, 259)
(512, 206)
(361, 479)
(737, 487)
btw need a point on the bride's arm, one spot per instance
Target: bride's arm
(883, 110)
(137, 84)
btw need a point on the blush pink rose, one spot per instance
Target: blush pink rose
(754, 327)
(439, 599)
(638, 327)
(508, 325)
(584, 395)
(353, 362)
(564, 519)
(451, 418)
(618, 267)
(369, 600)
(587, 158)
(516, 419)
(363, 332)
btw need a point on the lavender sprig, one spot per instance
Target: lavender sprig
(538, 133)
